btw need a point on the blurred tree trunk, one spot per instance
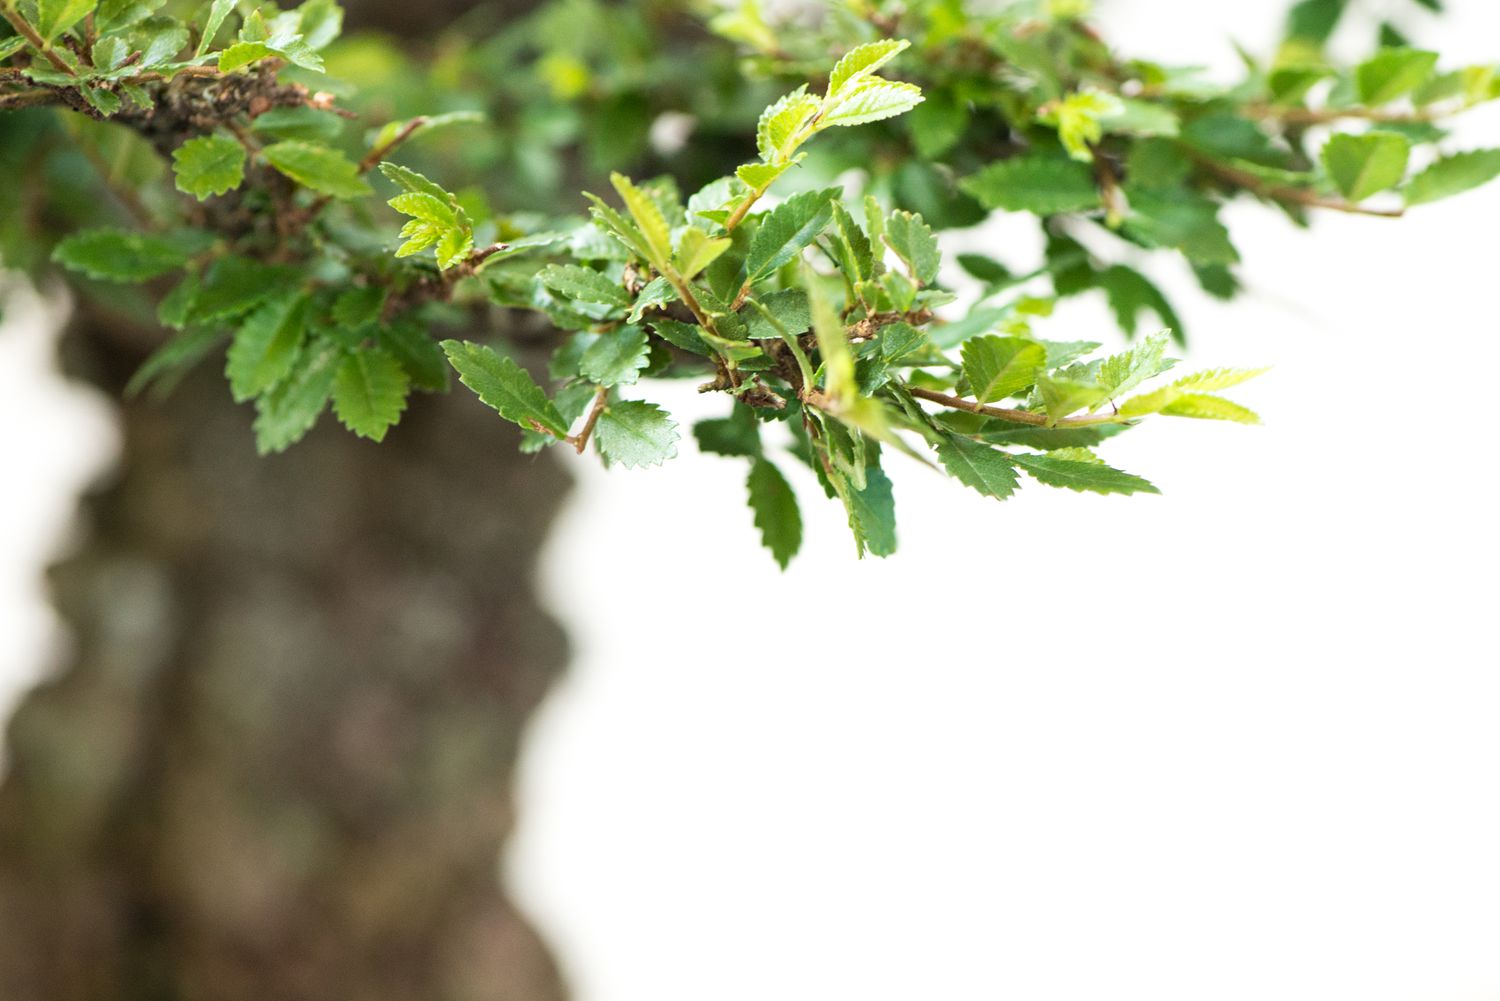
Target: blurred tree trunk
(279, 764)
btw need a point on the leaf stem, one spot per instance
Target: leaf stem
(1282, 193)
(580, 441)
(26, 31)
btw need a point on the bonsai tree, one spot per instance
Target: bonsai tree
(277, 766)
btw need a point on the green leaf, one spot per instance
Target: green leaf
(635, 433)
(1042, 185)
(912, 240)
(780, 122)
(786, 230)
(10, 46)
(369, 393)
(1062, 394)
(266, 346)
(318, 167)
(1123, 372)
(776, 512)
(242, 54)
(503, 385)
(1453, 175)
(208, 165)
(1078, 119)
(53, 17)
(657, 292)
(872, 514)
(981, 467)
(235, 285)
(737, 434)
(120, 256)
(293, 406)
(652, 225)
(696, 250)
(1392, 73)
(1091, 476)
(860, 62)
(871, 100)
(424, 362)
(583, 284)
(359, 307)
(616, 358)
(997, 367)
(299, 123)
(410, 180)
(1217, 378)
(1190, 224)
(217, 12)
(1367, 164)
(173, 359)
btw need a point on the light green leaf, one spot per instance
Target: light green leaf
(242, 54)
(696, 250)
(53, 17)
(208, 165)
(369, 393)
(217, 12)
(1042, 185)
(776, 513)
(1205, 407)
(616, 358)
(1453, 175)
(862, 61)
(981, 467)
(635, 433)
(1077, 118)
(1062, 394)
(657, 292)
(266, 346)
(359, 307)
(293, 406)
(1093, 476)
(503, 385)
(652, 225)
(909, 236)
(1367, 164)
(1123, 372)
(120, 256)
(1392, 73)
(1217, 378)
(997, 367)
(318, 167)
(786, 230)
(871, 100)
(583, 284)
(781, 122)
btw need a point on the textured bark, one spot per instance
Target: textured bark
(279, 764)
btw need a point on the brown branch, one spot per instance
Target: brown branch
(1292, 115)
(1018, 416)
(26, 31)
(380, 152)
(1282, 193)
(580, 441)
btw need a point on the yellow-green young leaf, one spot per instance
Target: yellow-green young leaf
(1078, 118)
(428, 208)
(208, 165)
(293, 405)
(318, 167)
(758, 176)
(116, 255)
(781, 122)
(1123, 372)
(979, 466)
(653, 228)
(616, 358)
(860, 62)
(635, 433)
(871, 100)
(584, 285)
(1042, 185)
(1367, 164)
(1205, 407)
(1453, 175)
(10, 46)
(410, 180)
(696, 250)
(505, 386)
(1392, 73)
(776, 513)
(53, 17)
(1086, 475)
(217, 12)
(266, 346)
(1217, 378)
(369, 393)
(1149, 403)
(786, 231)
(242, 54)
(997, 367)
(1062, 395)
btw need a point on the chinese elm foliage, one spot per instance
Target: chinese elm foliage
(213, 161)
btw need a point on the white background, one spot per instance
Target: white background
(1237, 741)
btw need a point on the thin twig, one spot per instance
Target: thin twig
(380, 152)
(1282, 193)
(26, 31)
(580, 441)
(1292, 115)
(1018, 416)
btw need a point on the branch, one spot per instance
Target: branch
(1281, 193)
(1018, 416)
(1292, 115)
(580, 441)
